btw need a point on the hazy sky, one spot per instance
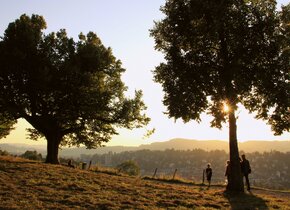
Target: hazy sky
(124, 26)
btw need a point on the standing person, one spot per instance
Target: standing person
(70, 164)
(208, 172)
(246, 170)
(227, 173)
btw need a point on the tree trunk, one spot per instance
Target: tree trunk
(235, 182)
(48, 127)
(53, 142)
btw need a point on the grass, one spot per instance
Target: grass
(32, 185)
(176, 180)
(106, 170)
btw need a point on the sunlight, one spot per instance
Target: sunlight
(226, 107)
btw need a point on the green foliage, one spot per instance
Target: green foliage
(6, 125)
(129, 167)
(32, 155)
(224, 51)
(70, 91)
(3, 152)
(220, 52)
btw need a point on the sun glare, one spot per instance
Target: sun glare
(226, 108)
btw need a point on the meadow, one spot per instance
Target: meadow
(27, 184)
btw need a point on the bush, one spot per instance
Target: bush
(129, 167)
(3, 152)
(32, 155)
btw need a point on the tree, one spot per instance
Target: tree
(6, 124)
(225, 53)
(70, 92)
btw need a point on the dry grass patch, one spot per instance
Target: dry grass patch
(33, 185)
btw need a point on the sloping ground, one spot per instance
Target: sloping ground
(26, 184)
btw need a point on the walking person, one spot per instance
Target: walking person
(208, 172)
(246, 170)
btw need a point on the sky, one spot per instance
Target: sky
(124, 26)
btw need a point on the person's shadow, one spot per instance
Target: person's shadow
(243, 201)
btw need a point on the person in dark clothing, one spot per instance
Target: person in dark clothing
(227, 173)
(208, 172)
(246, 170)
(69, 164)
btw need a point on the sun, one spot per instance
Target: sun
(226, 108)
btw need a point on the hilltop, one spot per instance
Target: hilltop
(177, 144)
(27, 184)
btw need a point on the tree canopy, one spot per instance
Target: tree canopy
(225, 52)
(70, 91)
(6, 124)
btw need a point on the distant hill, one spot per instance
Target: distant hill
(248, 146)
(18, 149)
(262, 146)
(186, 144)
(177, 144)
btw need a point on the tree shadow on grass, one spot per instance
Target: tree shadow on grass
(244, 201)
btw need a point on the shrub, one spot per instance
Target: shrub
(129, 167)
(32, 155)
(3, 152)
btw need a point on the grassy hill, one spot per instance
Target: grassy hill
(27, 184)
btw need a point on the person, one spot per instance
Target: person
(246, 170)
(69, 164)
(227, 173)
(208, 172)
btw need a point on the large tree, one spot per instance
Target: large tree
(70, 92)
(221, 52)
